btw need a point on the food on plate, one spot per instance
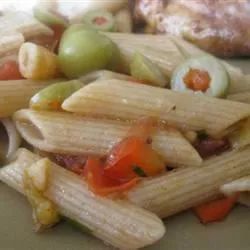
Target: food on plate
(215, 26)
(114, 131)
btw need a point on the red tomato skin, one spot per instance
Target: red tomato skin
(10, 71)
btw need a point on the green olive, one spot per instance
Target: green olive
(144, 70)
(75, 28)
(48, 18)
(82, 51)
(100, 20)
(51, 97)
(202, 75)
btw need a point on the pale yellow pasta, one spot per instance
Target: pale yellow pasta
(10, 43)
(167, 55)
(16, 94)
(129, 101)
(66, 133)
(118, 223)
(240, 97)
(24, 23)
(174, 192)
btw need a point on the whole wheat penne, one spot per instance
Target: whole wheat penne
(240, 97)
(10, 43)
(66, 133)
(168, 52)
(118, 223)
(24, 23)
(123, 100)
(174, 192)
(16, 94)
(167, 55)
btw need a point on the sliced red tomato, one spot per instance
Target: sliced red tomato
(101, 184)
(144, 128)
(133, 157)
(215, 210)
(10, 71)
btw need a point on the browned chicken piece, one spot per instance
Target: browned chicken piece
(221, 27)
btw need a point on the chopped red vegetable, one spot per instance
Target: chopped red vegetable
(130, 153)
(101, 184)
(197, 80)
(144, 128)
(215, 210)
(127, 162)
(10, 71)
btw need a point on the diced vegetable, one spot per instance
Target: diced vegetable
(35, 182)
(53, 96)
(143, 69)
(102, 184)
(47, 17)
(215, 210)
(85, 50)
(10, 71)
(131, 152)
(37, 62)
(204, 75)
(100, 20)
(241, 136)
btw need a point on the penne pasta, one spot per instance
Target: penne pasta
(10, 43)
(174, 192)
(70, 134)
(16, 94)
(240, 97)
(147, 45)
(23, 23)
(120, 100)
(118, 223)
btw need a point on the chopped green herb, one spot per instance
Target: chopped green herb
(139, 171)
